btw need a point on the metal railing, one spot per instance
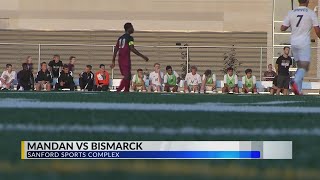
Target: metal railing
(261, 52)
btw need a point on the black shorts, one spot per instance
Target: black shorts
(283, 82)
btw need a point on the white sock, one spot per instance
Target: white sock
(299, 77)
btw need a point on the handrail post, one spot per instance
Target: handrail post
(187, 59)
(39, 56)
(260, 64)
(112, 72)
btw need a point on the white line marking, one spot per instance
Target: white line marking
(123, 129)
(201, 107)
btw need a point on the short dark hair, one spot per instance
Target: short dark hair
(71, 57)
(24, 65)
(89, 66)
(286, 47)
(168, 67)
(156, 64)
(139, 70)
(43, 63)
(248, 71)
(101, 65)
(207, 72)
(56, 55)
(127, 26)
(229, 69)
(8, 65)
(65, 66)
(302, 1)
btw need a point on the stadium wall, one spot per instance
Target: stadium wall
(157, 15)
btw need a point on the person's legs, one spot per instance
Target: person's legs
(281, 83)
(125, 82)
(236, 90)
(105, 88)
(303, 57)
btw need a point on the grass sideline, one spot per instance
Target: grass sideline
(303, 166)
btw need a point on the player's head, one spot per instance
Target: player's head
(270, 67)
(230, 71)
(286, 50)
(24, 66)
(102, 67)
(44, 66)
(128, 27)
(156, 66)
(29, 59)
(208, 73)
(140, 72)
(304, 2)
(248, 73)
(169, 70)
(56, 57)
(72, 59)
(88, 68)
(9, 67)
(65, 68)
(193, 70)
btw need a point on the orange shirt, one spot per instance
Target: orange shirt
(102, 78)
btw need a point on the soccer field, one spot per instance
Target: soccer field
(145, 116)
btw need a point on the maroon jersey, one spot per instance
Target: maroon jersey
(124, 51)
(124, 54)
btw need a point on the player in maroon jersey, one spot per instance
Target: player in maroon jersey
(124, 46)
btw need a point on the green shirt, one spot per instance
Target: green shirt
(231, 81)
(137, 80)
(249, 82)
(209, 80)
(172, 79)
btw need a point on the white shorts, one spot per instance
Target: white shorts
(301, 53)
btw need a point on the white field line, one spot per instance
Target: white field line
(200, 107)
(123, 129)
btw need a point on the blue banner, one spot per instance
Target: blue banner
(144, 154)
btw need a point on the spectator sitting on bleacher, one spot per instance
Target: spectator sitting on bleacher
(44, 78)
(55, 66)
(86, 79)
(155, 79)
(72, 60)
(208, 82)
(7, 78)
(102, 79)
(249, 82)
(29, 63)
(65, 80)
(230, 82)
(171, 80)
(192, 81)
(270, 74)
(138, 81)
(25, 79)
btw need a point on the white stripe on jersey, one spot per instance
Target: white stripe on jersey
(301, 20)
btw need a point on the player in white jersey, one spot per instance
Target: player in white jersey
(301, 20)
(155, 79)
(7, 78)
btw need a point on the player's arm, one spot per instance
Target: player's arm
(285, 24)
(317, 30)
(134, 50)
(284, 28)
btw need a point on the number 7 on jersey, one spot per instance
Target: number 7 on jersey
(299, 16)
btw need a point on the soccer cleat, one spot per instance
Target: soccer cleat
(294, 87)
